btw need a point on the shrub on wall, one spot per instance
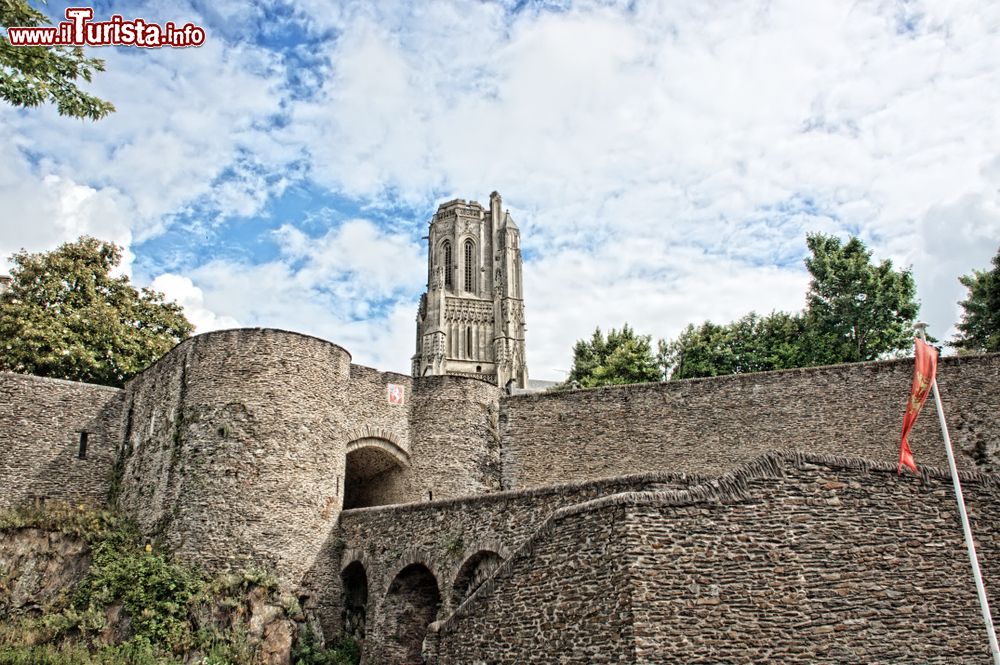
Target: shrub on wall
(135, 604)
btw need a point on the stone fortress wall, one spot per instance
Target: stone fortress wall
(240, 446)
(270, 447)
(790, 558)
(458, 541)
(711, 425)
(43, 450)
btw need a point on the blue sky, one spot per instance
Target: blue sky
(664, 161)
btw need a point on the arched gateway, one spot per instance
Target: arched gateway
(373, 472)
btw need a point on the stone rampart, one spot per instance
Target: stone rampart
(57, 439)
(711, 425)
(240, 446)
(791, 558)
(449, 538)
(234, 448)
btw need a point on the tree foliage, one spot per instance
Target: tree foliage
(855, 310)
(623, 357)
(34, 75)
(65, 316)
(752, 344)
(979, 329)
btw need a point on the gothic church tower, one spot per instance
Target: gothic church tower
(471, 319)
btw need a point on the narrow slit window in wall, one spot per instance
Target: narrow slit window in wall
(82, 452)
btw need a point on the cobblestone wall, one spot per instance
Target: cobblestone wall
(41, 421)
(456, 443)
(791, 558)
(234, 448)
(710, 425)
(236, 445)
(444, 536)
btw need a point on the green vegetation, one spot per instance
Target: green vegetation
(856, 310)
(66, 317)
(308, 651)
(622, 357)
(35, 75)
(751, 344)
(979, 329)
(136, 606)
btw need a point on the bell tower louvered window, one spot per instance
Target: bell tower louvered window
(446, 250)
(470, 284)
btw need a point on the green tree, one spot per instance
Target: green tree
(622, 357)
(34, 75)
(855, 310)
(66, 317)
(750, 344)
(979, 329)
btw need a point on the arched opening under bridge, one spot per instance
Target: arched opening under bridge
(411, 604)
(354, 598)
(473, 573)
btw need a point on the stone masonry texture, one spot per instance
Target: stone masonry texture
(235, 445)
(444, 535)
(790, 558)
(710, 425)
(753, 518)
(41, 421)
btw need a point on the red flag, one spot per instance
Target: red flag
(924, 369)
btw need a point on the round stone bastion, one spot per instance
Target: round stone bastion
(241, 447)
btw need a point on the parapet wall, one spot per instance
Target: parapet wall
(711, 425)
(791, 558)
(41, 421)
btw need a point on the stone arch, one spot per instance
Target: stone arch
(373, 471)
(354, 600)
(387, 446)
(472, 573)
(447, 261)
(385, 436)
(411, 604)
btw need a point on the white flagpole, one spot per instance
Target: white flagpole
(970, 545)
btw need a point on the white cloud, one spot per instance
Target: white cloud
(657, 290)
(182, 290)
(726, 131)
(664, 160)
(956, 238)
(354, 285)
(40, 212)
(191, 127)
(356, 258)
(275, 295)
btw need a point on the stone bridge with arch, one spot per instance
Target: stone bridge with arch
(786, 546)
(388, 571)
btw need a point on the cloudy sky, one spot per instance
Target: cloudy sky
(664, 160)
